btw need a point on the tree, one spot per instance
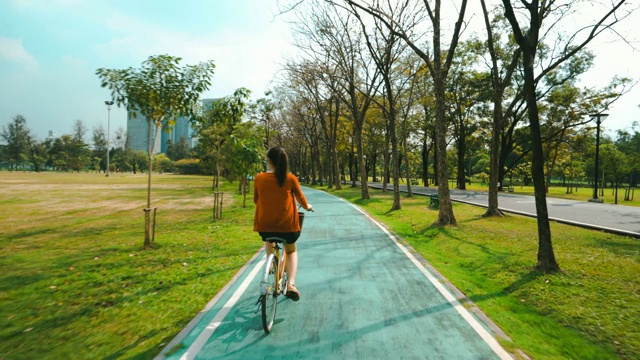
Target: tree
(79, 130)
(629, 144)
(179, 150)
(37, 153)
(80, 154)
(438, 61)
(528, 38)
(615, 165)
(121, 152)
(467, 92)
(162, 163)
(159, 90)
(502, 69)
(215, 125)
(99, 138)
(262, 111)
(245, 154)
(386, 50)
(63, 151)
(340, 48)
(17, 135)
(316, 83)
(139, 161)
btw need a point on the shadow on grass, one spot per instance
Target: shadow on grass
(433, 231)
(29, 233)
(627, 247)
(511, 288)
(366, 201)
(13, 281)
(148, 354)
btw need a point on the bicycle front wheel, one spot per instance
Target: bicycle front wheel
(270, 296)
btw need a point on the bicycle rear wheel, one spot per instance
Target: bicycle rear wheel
(270, 296)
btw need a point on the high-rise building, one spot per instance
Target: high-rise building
(137, 131)
(137, 128)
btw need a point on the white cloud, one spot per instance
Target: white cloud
(74, 62)
(242, 59)
(13, 51)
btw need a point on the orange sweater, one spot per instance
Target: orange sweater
(276, 209)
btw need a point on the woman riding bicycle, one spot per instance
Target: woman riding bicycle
(275, 193)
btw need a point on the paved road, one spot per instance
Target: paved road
(619, 219)
(364, 296)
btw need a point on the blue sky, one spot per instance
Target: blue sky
(50, 49)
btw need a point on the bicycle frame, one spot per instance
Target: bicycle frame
(270, 289)
(281, 255)
(274, 283)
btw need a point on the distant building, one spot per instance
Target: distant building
(137, 131)
(206, 106)
(137, 128)
(52, 134)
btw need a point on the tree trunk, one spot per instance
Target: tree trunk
(546, 258)
(425, 159)
(406, 156)
(334, 150)
(353, 172)
(336, 166)
(245, 190)
(150, 149)
(462, 149)
(435, 159)
(492, 209)
(374, 171)
(445, 215)
(363, 170)
(387, 160)
(408, 171)
(394, 158)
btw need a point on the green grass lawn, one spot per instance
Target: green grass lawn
(76, 283)
(580, 194)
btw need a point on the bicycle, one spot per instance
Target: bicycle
(275, 280)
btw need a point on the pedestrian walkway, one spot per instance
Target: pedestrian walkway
(617, 219)
(364, 296)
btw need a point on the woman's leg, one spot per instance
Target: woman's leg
(292, 262)
(292, 269)
(269, 246)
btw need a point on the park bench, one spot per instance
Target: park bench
(434, 200)
(510, 189)
(414, 181)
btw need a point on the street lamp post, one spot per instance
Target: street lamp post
(598, 118)
(108, 103)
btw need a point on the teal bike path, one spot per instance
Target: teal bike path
(364, 296)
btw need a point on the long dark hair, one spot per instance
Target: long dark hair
(280, 161)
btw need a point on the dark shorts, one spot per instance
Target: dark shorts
(289, 237)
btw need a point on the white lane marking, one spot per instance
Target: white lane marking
(481, 330)
(201, 340)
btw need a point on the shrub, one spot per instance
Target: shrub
(162, 164)
(187, 166)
